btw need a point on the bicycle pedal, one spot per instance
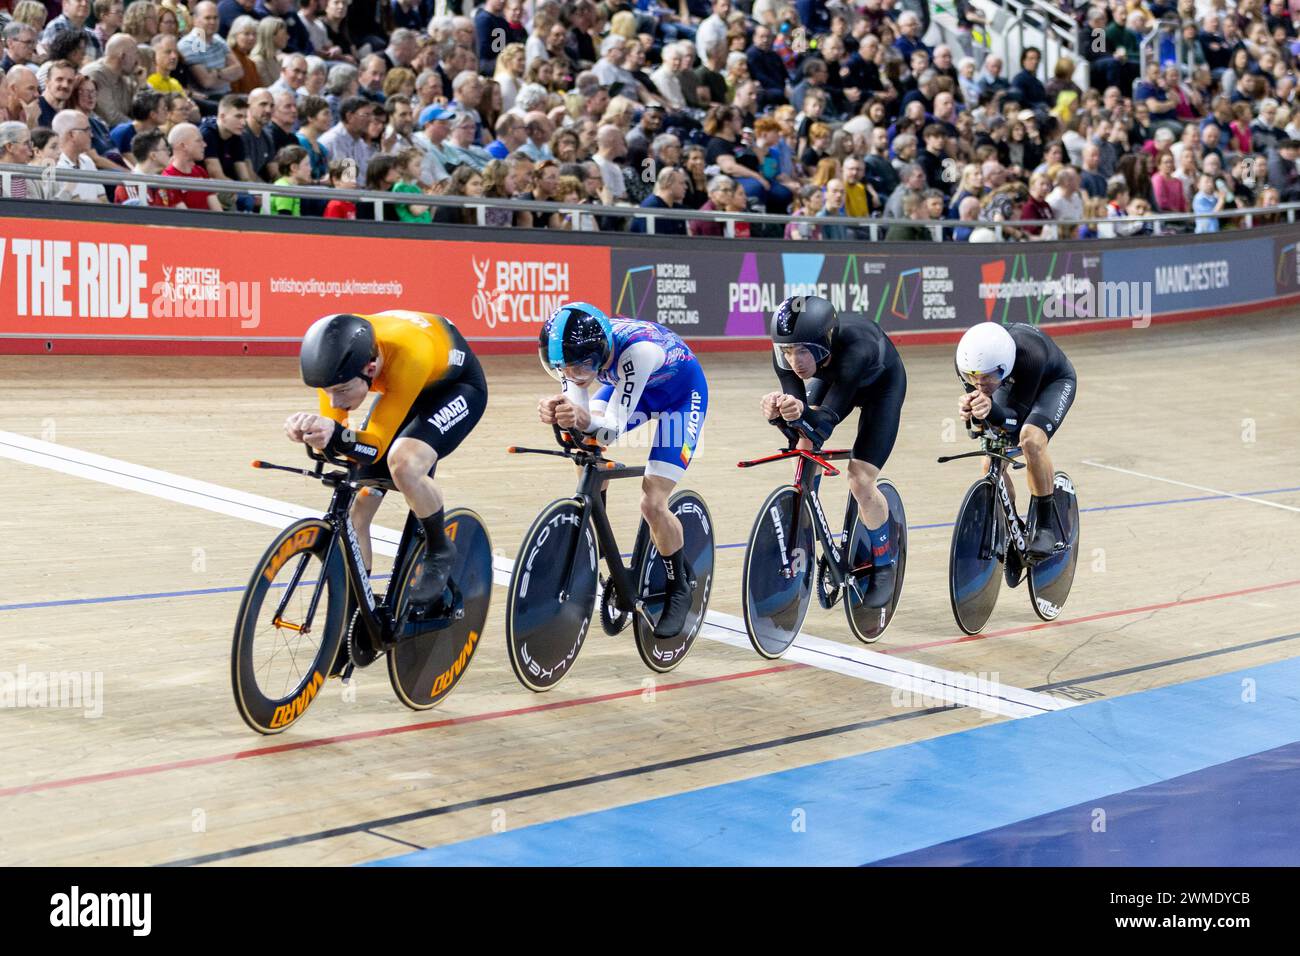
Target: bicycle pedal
(347, 672)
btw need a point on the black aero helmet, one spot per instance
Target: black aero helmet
(337, 349)
(807, 320)
(576, 334)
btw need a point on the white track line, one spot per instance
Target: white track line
(918, 680)
(182, 490)
(1188, 484)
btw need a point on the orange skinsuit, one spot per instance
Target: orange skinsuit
(416, 349)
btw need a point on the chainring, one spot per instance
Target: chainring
(360, 653)
(828, 595)
(612, 620)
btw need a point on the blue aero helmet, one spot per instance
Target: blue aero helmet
(576, 334)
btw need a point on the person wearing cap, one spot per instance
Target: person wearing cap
(459, 148)
(434, 128)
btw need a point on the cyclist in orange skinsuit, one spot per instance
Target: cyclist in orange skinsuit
(432, 393)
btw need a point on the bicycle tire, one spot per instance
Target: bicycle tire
(974, 578)
(545, 628)
(425, 669)
(869, 624)
(774, 606)
(662, 656)
(281, 703)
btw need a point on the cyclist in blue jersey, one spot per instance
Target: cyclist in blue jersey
(641, 371)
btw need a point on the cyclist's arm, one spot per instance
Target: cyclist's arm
(578, 396)
(346, 442)
(413, 369)
(635, 366)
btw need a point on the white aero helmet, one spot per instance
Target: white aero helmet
(987, 348)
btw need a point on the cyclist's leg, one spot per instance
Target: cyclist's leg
(1043, 421)
(677, 433)
(414, 455)
(873, 509)
(665, 528)
(881, 410)
(363, 513)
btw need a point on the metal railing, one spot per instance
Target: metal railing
(1149, 46)
(868, 229)
(1060, 33)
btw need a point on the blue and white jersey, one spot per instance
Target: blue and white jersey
(653, 374)
(651, 365)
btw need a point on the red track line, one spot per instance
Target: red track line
(384, 732)
(966, 638)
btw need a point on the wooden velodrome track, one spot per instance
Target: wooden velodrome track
(1177, 580)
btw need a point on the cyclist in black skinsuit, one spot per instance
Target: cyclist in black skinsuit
(1018, 381)
(827, 367)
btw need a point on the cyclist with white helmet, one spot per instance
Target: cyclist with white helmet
(432, 392)
(829, 365)
(640, 370)
(1019, 382)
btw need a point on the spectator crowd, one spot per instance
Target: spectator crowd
(837, 111)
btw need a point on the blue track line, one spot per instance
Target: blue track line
(199, 592)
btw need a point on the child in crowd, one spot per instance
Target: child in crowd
(343, 175)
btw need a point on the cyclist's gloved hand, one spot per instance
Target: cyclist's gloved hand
(818, 423)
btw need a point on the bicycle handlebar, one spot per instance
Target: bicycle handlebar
(796, 430)
(584, 453)
(318, 472)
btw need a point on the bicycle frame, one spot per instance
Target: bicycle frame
(376, 616)
(596, 470)
(809, 468)
(999, 453)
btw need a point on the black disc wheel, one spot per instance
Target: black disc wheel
(868, 623)
(974, 565)
(552, 595)
(777, 578)
(425, 667)
(664, 654)
(1050, 580)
